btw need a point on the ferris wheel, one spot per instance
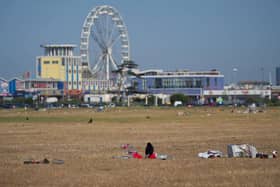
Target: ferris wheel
(104, 42)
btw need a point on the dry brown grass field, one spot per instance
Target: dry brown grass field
(87, 149)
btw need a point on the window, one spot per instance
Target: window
(216, 81)
(144, 84)
(134, 84)
(194, 83)
(158, 83)
(198, 83)
(207, 81)
(46, 62)
(55, 62)
(39, 67)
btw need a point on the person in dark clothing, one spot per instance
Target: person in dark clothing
(149, 150)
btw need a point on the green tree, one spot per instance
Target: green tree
(179, 97)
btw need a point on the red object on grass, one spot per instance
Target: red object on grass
(153, 156)
(136, 155)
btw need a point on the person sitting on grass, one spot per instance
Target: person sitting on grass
(149, 151)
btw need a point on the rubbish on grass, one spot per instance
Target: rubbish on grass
(44, 161)
(122, 157)
(131, 152)
(274, 153)
(57, 161)
(163, 157)
(243, 150)
(211, 154)
(125, 146)
(152, 156)
(239, 151)
(137, 155)
(264, 155)
(128, 148)
(32, 161)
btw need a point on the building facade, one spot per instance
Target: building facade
(59, 63)
(185, 82)
(4, 87)
(28, 87)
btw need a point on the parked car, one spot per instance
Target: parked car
(112, 105)
(85, 105)
(178, 103)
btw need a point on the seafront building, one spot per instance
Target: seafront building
(191, 83)
(59, 63)
(28, 87)
(59, 73)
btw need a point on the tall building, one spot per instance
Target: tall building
(59, 63)
(278, 76)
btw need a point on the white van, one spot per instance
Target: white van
(178, 103)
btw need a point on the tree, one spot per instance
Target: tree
(179, 97)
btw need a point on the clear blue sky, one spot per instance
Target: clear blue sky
(164, 34)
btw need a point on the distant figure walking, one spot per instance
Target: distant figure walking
(149, 152)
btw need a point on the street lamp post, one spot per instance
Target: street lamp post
(234, 81)
(262, 71)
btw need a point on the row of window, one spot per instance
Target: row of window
(53, 62)
(63, 62)
(71, 61)
(74, 83)
(74, 71)
(179, 83)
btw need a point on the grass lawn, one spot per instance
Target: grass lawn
(87, 149)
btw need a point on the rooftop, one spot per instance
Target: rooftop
(179, 72)
(58, 45)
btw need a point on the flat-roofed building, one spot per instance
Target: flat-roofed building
(28, 87)
(58, 62)
(191, 83)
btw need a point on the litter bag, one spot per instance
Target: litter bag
(242, 150)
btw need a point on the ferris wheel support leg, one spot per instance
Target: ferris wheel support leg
(107, 67)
